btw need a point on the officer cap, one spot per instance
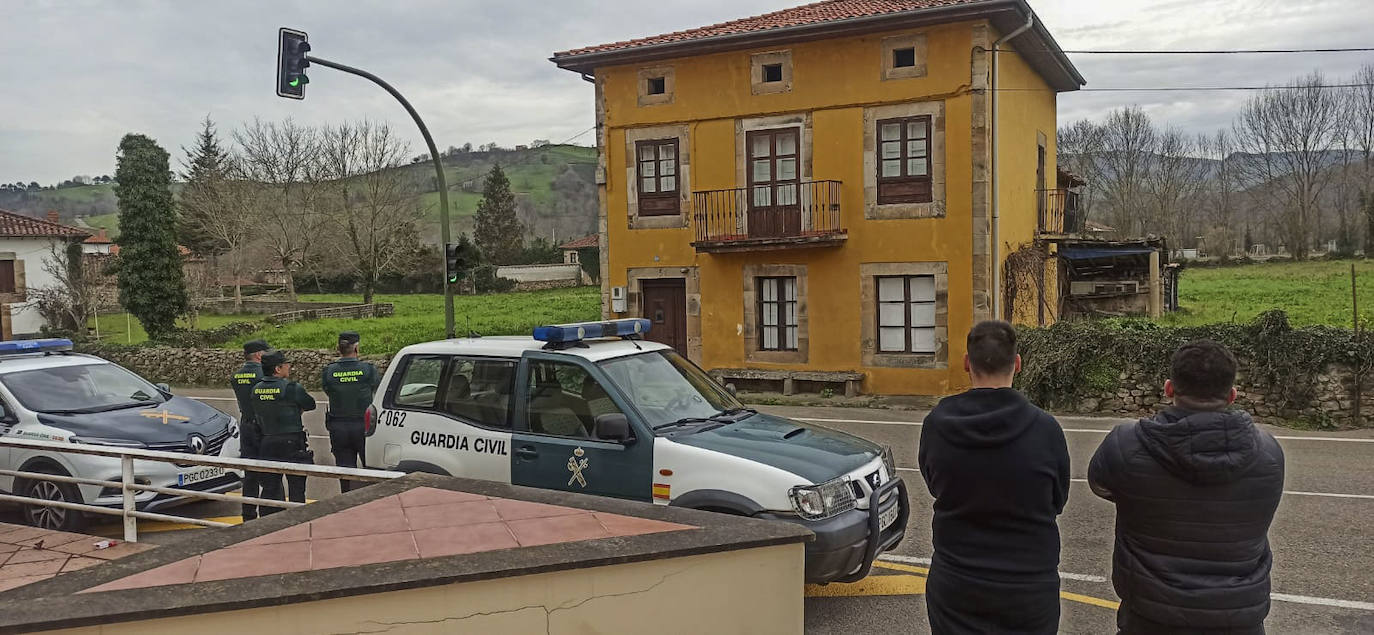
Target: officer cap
(273, 359)
(349, 337)
(255, 346)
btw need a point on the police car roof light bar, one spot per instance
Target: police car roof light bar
(562, 334)
(29, 347)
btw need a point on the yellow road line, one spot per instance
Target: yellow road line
(902, 567)
(872, 585)
(1088, 599)
(153, 526)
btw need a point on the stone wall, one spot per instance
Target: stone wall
(1138, 393)
(210, 367)
(225, 306)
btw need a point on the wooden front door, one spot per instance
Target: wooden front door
(665, 304)
(774, 183)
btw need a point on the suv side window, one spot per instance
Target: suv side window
(479, 390)
(418, 386)
(564, 400)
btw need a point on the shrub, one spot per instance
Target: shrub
(208, 338)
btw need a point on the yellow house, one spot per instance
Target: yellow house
(829, 193)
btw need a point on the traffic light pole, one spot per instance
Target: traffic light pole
(438, 173)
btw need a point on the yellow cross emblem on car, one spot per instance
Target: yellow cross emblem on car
(165, 416)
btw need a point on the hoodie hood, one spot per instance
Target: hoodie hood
(1205, 448)
(983, 417)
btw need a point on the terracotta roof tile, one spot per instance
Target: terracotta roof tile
(816, 13)
(581, 243)
(12, 225)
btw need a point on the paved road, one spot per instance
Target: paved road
(1322, 536)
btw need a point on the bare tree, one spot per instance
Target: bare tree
(1221, 193)
(283, 160)
(372, 202)
(1360, 106)
(81, 290)
(1292, 129)
(1080, 149)
(1173, 182)
(1128, 138)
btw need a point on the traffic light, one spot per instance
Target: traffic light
(291, 63)
(459, 257)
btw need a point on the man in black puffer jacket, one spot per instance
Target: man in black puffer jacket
(1195, 490)
(998, 468)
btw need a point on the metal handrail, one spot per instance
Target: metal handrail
(728, 214)
(129, 511)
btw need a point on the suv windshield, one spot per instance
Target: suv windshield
(667, 388)
(86, 388)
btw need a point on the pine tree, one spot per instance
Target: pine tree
(202, 198)
(152, 285)
(499, 233)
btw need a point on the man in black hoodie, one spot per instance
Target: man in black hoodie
(998, 468)
(1195, 490)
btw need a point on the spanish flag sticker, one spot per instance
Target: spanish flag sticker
(662, 491)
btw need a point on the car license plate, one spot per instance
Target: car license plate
(888, 516)
(199, 475)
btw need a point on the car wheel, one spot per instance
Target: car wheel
(55, 518)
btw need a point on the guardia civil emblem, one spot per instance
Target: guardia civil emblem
(575, 465)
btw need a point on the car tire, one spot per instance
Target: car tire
(54, 518)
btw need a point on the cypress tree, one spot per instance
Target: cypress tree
(499, 234)
(152, 286)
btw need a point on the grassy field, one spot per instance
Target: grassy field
(1311, 292)
(117, 328)
(110, 222)
(419, 318)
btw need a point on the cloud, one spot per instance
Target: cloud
(79, 75)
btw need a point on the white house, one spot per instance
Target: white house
(97, 245)
(25, 242)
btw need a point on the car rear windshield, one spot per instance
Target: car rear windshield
(86, 388)
(665, 387)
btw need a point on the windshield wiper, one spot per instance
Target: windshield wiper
(737, 414)
(686, 421)
(95, 409)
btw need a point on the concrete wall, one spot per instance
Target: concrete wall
(540, 273)
(30, 252)
(837, 86)
(211, 366)
(745, 592)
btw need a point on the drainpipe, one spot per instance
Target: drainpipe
(997, 172)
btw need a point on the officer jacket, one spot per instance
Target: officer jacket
(243, 381)
(350, 384)
(278, 404)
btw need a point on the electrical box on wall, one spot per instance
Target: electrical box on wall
(617, 299)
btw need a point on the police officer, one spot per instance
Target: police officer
(250, 435)
(350, 384)
(278, 403)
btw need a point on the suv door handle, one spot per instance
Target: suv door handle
(527, 452)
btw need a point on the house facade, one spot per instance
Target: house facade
(25, 243)
(830, 192)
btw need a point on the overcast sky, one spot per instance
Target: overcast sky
(76, 75)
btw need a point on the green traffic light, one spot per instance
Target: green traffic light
(295, 82)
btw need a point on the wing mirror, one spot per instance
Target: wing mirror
(166, 390)
(613, 427)
(730, 388)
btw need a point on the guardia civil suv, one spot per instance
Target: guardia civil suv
(592, 408)
(51, 394)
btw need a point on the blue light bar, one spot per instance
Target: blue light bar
(560, 333)
(26, 347)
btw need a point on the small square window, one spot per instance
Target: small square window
(904, 57)
(772, 73)
(657, 86)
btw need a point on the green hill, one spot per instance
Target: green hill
(531, 173)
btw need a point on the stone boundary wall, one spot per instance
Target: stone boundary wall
(1141, 394)
(355, 311)
(225, 306)
(211, 367)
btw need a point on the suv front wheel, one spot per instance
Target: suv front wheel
(46, 517)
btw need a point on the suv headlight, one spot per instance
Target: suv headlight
(119, 443)
(889, 463)
(818, 502)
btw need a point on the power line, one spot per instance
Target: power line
(1162, 89)
(1220, 52)
(569, 139)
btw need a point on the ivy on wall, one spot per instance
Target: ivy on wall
(1072, 360)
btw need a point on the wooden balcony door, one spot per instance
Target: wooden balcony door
(774, 182)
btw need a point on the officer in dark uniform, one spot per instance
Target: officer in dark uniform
(250, 435)
(350, 384)
(278, 403)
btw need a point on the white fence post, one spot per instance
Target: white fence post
(126, 465)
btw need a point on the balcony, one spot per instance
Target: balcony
(1058, 212)
(763, 217)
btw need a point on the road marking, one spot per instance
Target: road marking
(1081, 430)
(1303, 599)
(1088, 599)
(1082, 577)
(215, 398)
(887, 562)
(870, 586)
